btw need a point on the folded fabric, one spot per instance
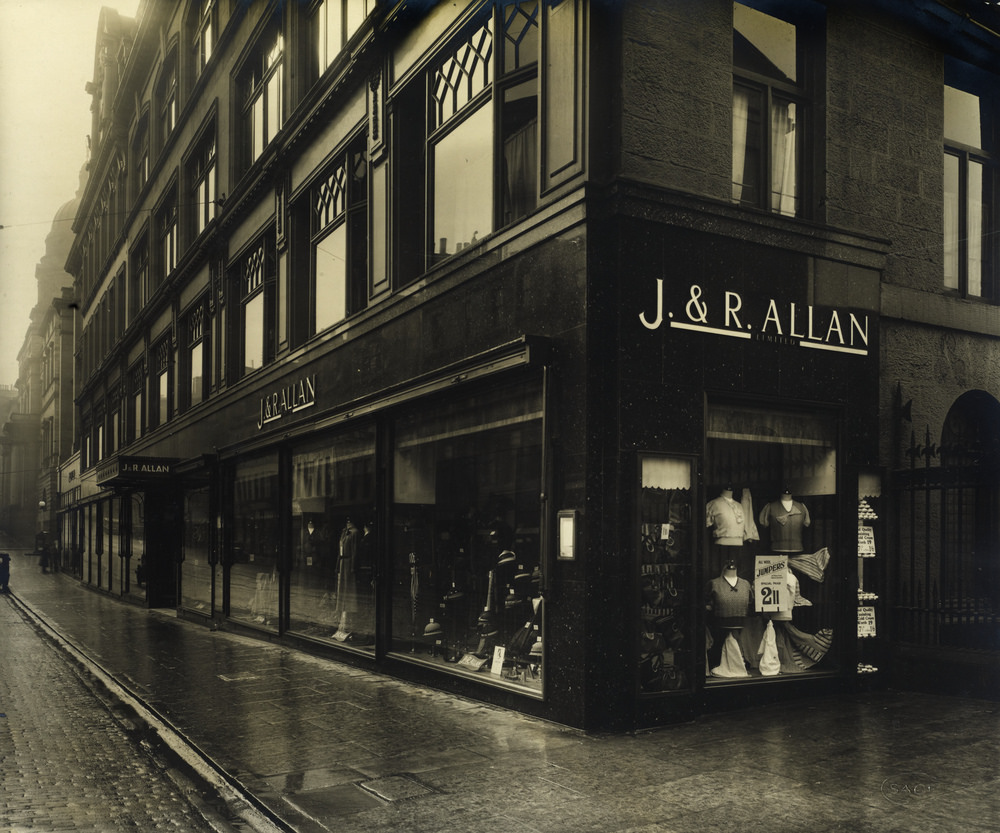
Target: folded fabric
(732, 664)
(770, 663)
(812, 565)
(812, 646)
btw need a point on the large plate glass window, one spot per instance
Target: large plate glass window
(465, 545)
(332, 591)
(197, 569)
(256, 541)
(666, 572)
(771, 555)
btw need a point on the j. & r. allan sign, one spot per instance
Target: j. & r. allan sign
(290, 399)
(802, 325)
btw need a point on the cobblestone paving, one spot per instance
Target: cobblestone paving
(65, 762)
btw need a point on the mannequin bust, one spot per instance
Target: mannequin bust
(786, 518)
(729, 598)
(726, 519)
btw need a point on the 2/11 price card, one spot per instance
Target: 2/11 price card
(771, 592)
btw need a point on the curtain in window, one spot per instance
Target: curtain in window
(741, 111)
(520, 163)
(784, 190)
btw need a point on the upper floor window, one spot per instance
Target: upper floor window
(339, 240)
(970, 184)
(480, 142)
(256, 289)
(203, 183)
(167, 98)
(204, 35)
(140, 155)
(260, 88)
(196, 356)
(161, 394)
(136, 401)
(166, 229)
(770, 108)
(332, 24)
(138, 280)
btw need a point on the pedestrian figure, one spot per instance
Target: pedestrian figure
(45, 559)
(4, 572)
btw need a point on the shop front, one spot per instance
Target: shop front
(405, 532)
(749, 406)
(130, 529)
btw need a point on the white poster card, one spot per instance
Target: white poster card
(866, 622)
(770, 588)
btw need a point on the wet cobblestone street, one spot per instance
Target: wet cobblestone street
(67, 763)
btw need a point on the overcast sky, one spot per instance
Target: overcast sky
(46, 58)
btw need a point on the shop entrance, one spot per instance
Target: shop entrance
(162, 551)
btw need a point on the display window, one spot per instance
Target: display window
(666, 570)
(197, 569)
(137, 581)
(256, 538)
(771, 522)
(332, 579)
(465, 544)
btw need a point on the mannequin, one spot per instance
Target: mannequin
(786, 518)
(728, 600)
(727, 520)
(725, 517)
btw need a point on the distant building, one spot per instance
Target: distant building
(39, 433)
(479, 343)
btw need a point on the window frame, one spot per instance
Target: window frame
(262, 67)
(138, 276)
(196, 338)
(203, 170)
(167, 103)
(140, 154)
(338, 201)
(167, 245)
(802, 92)
(248, 287)
(204, 36)
(965, 79)
(161, 385)
(424, 120)
(321, 56)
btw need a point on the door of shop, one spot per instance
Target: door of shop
(163, 540)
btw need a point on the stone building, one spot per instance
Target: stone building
(561, 353)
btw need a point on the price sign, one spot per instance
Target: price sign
(866, 622)
(866, 541)
(499, 654)
(770, 587)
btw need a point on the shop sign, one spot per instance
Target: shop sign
(781, 322)
(290, 399)
(866, 622)
(770, 587)
(134, 469)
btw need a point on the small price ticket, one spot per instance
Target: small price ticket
(866, 622)
(866, 541)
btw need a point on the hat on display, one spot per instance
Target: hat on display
(432, 628)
